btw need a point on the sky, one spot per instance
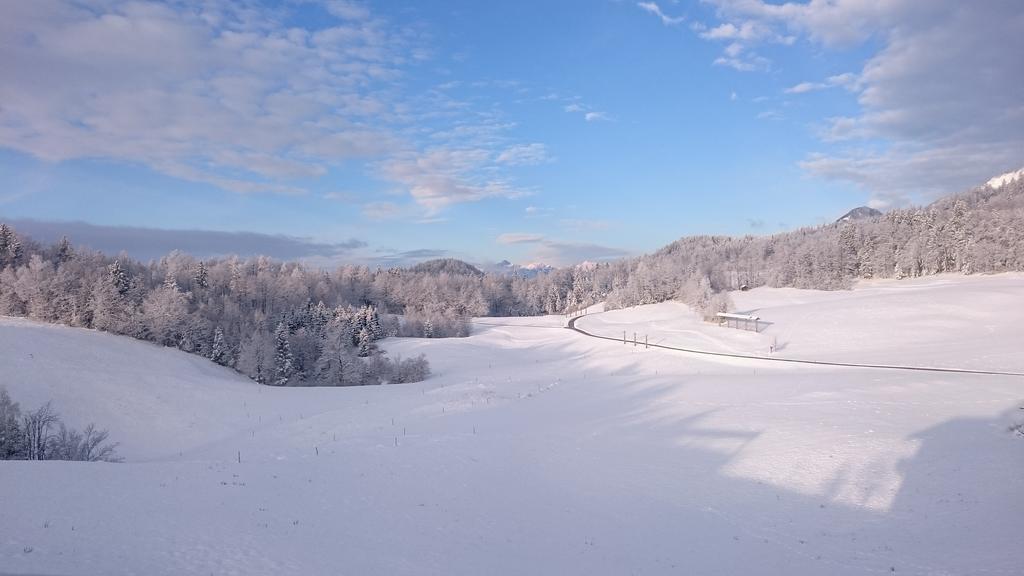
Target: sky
(386, 133)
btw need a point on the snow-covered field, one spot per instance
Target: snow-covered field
(536, 450)
(950, 321)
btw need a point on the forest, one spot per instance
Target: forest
(287, 324)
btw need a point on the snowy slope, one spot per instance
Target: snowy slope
(532, 450)
(950, 321)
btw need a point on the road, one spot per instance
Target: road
(572, 326)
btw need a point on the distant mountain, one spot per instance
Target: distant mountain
(450, 266)
(506, 268)
(859, 213)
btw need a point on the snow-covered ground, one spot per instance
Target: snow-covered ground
(536, 450)
(949, 321)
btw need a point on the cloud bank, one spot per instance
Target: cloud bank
(243, 96)
(150, 243)
(941, 106)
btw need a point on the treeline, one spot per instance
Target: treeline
(278, 323)
(980, 231)
(286, 324)
(40, 435)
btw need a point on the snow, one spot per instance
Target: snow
(1004, 179)
(534, 449)
(947, 321)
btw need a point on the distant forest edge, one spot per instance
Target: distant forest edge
(282, 323)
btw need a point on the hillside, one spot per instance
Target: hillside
(447, 266)
(859, 213)
(536, 450)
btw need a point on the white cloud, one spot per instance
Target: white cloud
(537, 212)
(846, 80)
(150, 243)
(653, 8)
(214, 92)
(519, 238)
(589, 113)
(560, 253)
(440, 177)
(940, 106)
(381, 210)
(225, 93)
(745, 63)
(748, 31)
(348, 10)
(524, 154)
(805, 87)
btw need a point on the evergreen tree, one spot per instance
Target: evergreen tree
(201, 278)
(7, 242)
(64, 250)
(10, 428)
(373, 323)
(119, 278)
(219, 353)
(284, 366)
(365, 343)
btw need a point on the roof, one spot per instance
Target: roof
(731, 316)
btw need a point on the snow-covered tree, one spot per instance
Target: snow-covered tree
(165, 313)
(11, 437)
(219, 352)
(119, 277)
(256, 355)
(365, 342)
(201, 277)
(284, 367)
(64, 251)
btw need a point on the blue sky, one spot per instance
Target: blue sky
(528, 131)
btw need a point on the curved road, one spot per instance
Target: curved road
(572, 326)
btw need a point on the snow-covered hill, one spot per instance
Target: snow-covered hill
(537, 450)
(859, 213)
(1004, 179)
(946, 321)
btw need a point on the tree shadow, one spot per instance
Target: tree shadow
(955, 508)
